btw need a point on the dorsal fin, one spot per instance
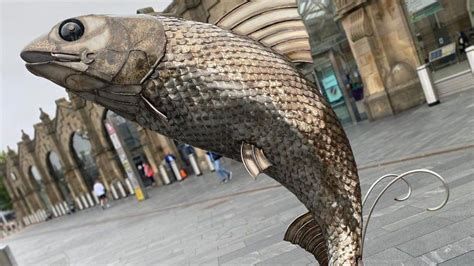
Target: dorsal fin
(275, 23)
(253, 159)
(306, 233)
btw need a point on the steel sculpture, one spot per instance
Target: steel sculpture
(222, 92)
(407, 196)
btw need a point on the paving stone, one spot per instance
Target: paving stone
(451, 251)
(461, 212)
(400, 224)
(210, 262)
(373, 234)
(418, 261)
(440, 238)
(467, 243)
(392, 214)
(202, 222)
(392, 255)
(452, 203)
(462, 180)
(464, 259)
(275, 231)
(219, 251)
(276, 249)
(393, 239)
(455, 193)
(294, 257)
(250, 249)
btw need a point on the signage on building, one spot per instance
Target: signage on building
(444, 51)
(417, 5)
(333, 92)
(132, 174)
(419, 9)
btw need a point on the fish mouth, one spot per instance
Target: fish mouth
(65, 69)
(41, 58)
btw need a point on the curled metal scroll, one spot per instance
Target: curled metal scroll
(394, 180)
(382, 178)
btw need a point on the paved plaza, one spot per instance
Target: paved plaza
(200, 221)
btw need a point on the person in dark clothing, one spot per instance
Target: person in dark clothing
(463, 42)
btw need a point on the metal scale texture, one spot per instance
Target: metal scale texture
(223, 92)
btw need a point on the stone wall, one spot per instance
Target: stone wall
(385, 53)
(378, 33)
(51, 196)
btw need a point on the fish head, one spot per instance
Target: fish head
(90, 53)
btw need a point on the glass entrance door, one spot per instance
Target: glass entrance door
(332, 91)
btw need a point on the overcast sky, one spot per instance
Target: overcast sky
(21, 93)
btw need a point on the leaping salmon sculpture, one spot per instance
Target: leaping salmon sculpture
(222, 92)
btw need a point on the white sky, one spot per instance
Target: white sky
(22, 93)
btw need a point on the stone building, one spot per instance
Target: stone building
(54, 171)
(363, 54)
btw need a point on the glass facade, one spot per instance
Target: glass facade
(332, 91)
(126, 129)
(335, 69)
(442, 29)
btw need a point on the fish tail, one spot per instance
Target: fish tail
(306, 233)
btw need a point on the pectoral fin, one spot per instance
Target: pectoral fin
(150, 105)
(306, 232)
(253, 159)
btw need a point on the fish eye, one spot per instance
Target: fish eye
(71, 30)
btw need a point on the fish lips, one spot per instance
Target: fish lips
(66, 70)
(34, 57)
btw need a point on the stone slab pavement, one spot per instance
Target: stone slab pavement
(202, 222)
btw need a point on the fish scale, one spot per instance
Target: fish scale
(222, 92)
(279, 111)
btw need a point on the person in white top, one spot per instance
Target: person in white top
(99, 191)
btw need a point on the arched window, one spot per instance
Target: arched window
(83, 155)
(24, 202)
(56, 170)
(37, 181)
(55, 166)
(13, 176)
(36, 177)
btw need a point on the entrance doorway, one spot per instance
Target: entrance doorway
(332, 91)
(82, 154)
(38, 184)
(129, 134)
(340, 84)
(442, 30)
(26, 205)
(335, 70)
(56, 170)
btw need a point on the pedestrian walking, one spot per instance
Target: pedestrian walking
(223, 174)
(463, 42)
(100, 192)
(149, 173)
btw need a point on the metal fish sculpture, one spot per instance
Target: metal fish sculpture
(223, 92)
